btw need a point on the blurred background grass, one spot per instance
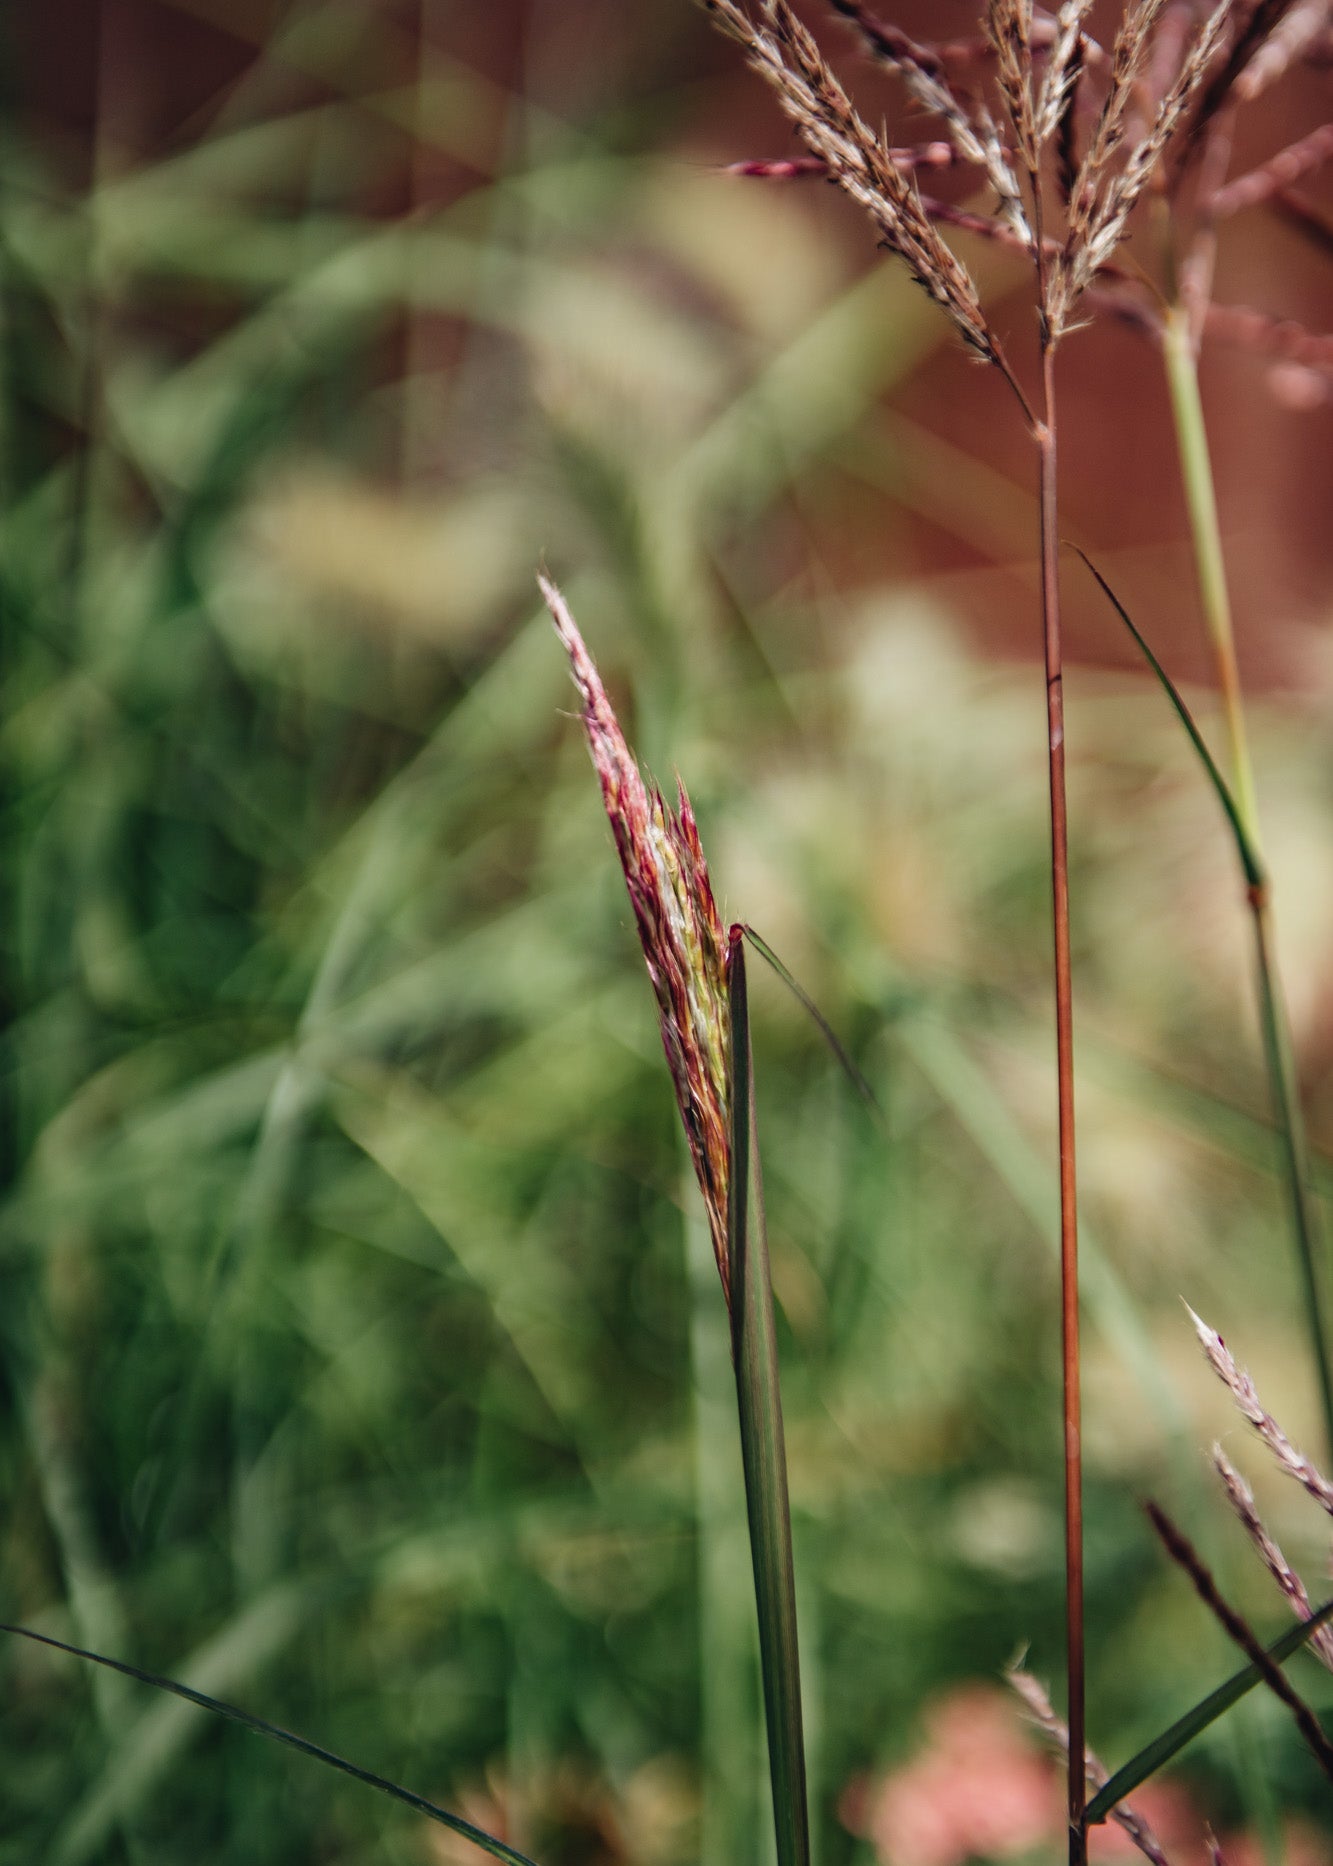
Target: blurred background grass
(362, 1351)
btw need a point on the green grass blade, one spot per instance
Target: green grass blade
(1208, 1710)
(487, 1842)
(825, 1028)
(1249, 855)
(763, 1453)
(1272, 1016)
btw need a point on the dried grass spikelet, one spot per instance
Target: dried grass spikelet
(1290, 1585)
(1009, 28)
(684, 943)
(786, 56)
(1062, 69)
(1128, 1819)
(1242, 1390)
(1105, 194)
(973, 134)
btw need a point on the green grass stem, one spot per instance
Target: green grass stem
(1200, 497)
(763, 1452)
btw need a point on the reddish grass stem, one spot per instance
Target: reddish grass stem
(1064, 1046)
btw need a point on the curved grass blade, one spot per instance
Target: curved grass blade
(1249, 855)
(1183, 1552)
(763, 1451)
(826, 1030)
(260, 1725)
(1160, 1751)
(1273, 1019)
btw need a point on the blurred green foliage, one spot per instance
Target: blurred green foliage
(363, 1358)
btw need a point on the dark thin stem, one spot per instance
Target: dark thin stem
(1064, 1046)
(1029, 415)
(1183, 1552)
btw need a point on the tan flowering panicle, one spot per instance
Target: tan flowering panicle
(684, 942)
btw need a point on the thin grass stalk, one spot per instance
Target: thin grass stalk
(1279, 1051)
(1064, 1044)
(729, 1784)
(489, 1843)
(763, 1450)
(1182, 371)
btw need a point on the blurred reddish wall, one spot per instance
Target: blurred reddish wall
(153, 75)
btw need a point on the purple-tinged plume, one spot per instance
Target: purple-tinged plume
(683, 940)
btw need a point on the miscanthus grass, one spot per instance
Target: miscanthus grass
(698, 976)
(236, 778)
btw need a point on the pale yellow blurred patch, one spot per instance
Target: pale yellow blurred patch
(773, 268)
(621, 352)
(437, 570)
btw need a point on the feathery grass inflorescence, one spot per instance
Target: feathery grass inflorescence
(1289, 1583)
(698, 974)
(683, 940)
(1105, 197)
(973, 134)
(786, 55)
(1040, 66)
(1242, 1390)
(1063, 70)
(1241, 1498)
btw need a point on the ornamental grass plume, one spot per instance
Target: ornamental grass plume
(698, 973)
(683, 940)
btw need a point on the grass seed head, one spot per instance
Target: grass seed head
(784, 53)
(1245, 1395)
(684, 943)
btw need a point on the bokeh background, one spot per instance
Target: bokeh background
(363, 1357)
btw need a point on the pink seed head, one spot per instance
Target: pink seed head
(683, 941)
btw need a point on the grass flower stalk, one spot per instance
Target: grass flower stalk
(698, 977)
(1064, 1048)
(683, 942)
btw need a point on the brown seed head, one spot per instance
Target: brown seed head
(784, 53)
(683, 940)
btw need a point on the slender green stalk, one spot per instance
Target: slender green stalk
(498, 1849)
(763, 1451)
(730, 1744)
(1197, 473)
(1196, 466)
(1295, 1145)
